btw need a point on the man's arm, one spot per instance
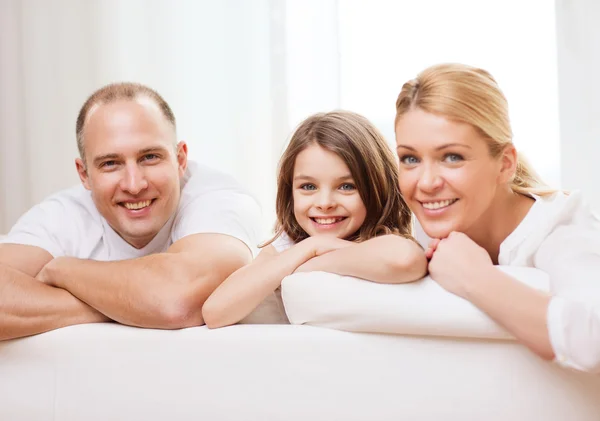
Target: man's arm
(163, 290)
(27, 306)
(389, 259)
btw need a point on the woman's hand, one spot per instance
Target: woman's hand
(457, 263)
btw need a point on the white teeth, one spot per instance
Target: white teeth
(438, 205)
(327, 221)
(138, 205)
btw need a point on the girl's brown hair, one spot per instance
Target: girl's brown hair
(470, 95)
(370, 161)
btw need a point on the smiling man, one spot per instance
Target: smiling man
(143, 241)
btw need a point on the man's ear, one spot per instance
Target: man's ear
(182, 152)
(82, 171)
(508, 164)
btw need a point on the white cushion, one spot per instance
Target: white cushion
(417, 308)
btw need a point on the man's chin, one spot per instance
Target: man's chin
(138, 238)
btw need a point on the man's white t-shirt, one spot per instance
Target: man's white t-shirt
(68, 223)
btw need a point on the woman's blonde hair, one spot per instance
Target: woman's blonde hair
(371, 162)
(470, 95)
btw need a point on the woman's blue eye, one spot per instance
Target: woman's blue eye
(308, 187)
(409, 160)
(347, 186)
(452, 157)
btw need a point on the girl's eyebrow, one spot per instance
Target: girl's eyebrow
(303, 177)
(309, 178)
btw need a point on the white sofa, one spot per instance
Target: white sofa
(268, 372)
(446, 361)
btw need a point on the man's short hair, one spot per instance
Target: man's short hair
(115, 92)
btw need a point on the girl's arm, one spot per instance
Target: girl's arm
(246, 288)
(389, 259)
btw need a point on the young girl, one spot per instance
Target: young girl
(339, 209)
(482, 204)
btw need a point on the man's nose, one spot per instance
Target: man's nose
(134, 180)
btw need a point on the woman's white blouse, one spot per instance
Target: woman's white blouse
(561, 236)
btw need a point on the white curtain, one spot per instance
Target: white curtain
(221, 64)
(241, 74)
(578, 36)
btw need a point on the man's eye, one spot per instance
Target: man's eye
(308, 187)
(108, 164)
(409, 160)
(150, 157)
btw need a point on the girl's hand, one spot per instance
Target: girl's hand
(458, 263)
(321, 244)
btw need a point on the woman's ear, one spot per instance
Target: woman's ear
(509, 161)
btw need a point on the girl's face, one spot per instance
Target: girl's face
(447, 175)
(326, 201)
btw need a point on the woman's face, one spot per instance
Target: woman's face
(447, 175)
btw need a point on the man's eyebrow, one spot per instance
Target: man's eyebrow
(108, 156)
(152, 149)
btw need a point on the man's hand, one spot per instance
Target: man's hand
(28, 306)
(45, 274)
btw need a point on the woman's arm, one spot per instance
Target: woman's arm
(520, 309)
(246, 288)
(389, 259)
(565, 327)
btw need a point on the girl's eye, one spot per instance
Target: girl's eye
(347, 186)
(409, 160)
(452, 157)
(308, 187)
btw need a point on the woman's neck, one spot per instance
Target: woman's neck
(503, 216)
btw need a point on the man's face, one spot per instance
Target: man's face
(132, 167)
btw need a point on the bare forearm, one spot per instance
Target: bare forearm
(28, 307)
(521, 309)
(246, 288)
(134, 292)
(388, 259)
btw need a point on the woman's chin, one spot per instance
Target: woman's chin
(438, 230)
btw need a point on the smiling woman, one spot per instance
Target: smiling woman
(483, 204)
